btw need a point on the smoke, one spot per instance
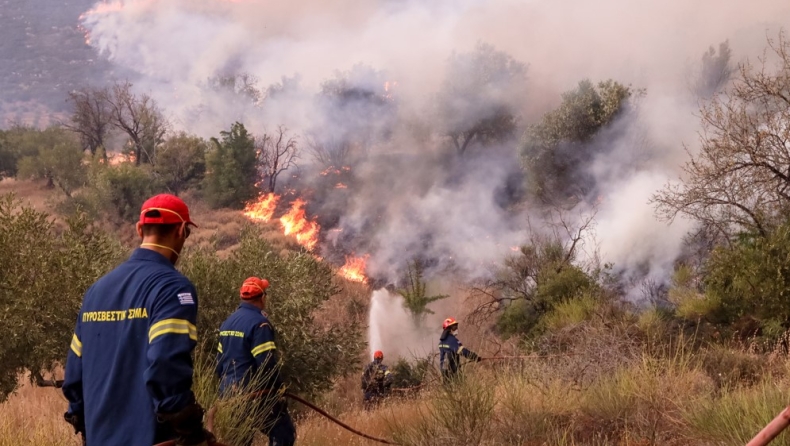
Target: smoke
(409, 196)
(393, 330)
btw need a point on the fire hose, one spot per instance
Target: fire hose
(772, 430)
(212, 412)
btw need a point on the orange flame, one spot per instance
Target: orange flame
(340, 186)
(354, 269)
(263, 209)
(295, 222)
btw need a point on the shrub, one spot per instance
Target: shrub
(44, 276)
(313, 352)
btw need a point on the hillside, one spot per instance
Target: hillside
(44, 56)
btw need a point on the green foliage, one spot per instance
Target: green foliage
(314, 352)
(572, 312)
(181, 162)
(59, 160)
(415, 298)
(536, 280)
(557, 151)
(751, 281)
(410, 374)
(19, 142)
(43, 276)
(122, 189)
(231, 169)
(479, 96)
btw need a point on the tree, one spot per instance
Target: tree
(231, 169)
(140, 118)
(37, 318)
(478, 98)
(16, 143)
(715, 71)
(750, 280)
(357, 108)
(181, 162)
(739, 179)
(90, 117)
(415, 292)
(60, 160)
(122, 189)
(531, 282)
(556, 152)
(276, 154)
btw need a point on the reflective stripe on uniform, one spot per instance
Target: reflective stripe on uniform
(177, 326)
(265, 347)
(460, 349)
(444, 346)
(76, 345)
(219, 347)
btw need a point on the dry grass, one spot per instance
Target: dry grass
(32, 194)
(33, 416)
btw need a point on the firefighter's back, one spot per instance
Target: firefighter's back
(236, 363)
(115, 321)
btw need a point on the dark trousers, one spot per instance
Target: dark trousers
(278, 426)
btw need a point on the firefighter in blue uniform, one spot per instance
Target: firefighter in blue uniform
(376, 381)
(451, 350)
(247, 360)
(129, 370)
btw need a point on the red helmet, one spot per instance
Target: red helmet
(378, 354)
(449, 322)
(253, 287)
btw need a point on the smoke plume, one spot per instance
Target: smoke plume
(410, 195)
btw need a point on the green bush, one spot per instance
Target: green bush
(43, 276)
(750, 281)
(122, 189)
(314, 352)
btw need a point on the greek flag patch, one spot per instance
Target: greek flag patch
(186, 299)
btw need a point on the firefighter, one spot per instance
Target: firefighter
(248, 360)
(129, 369)
(451, 350)
(376, 381)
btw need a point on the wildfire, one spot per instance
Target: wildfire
(340, 186)
(263, 209)
(295, 222)
(354, 269)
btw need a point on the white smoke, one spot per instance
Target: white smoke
(413, 207)
(394, 331)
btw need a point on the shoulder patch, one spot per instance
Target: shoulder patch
(186, 299)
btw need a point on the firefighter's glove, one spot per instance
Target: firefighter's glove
(76, 420)
(188, 425)
(474, 357)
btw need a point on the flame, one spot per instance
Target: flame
(340, 186)
(330, 169)
(388, 87)
(263, 209)
(295, 222)
(354, 269)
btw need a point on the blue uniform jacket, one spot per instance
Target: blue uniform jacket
(130, 355)
(246, 350)
(450, 352)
